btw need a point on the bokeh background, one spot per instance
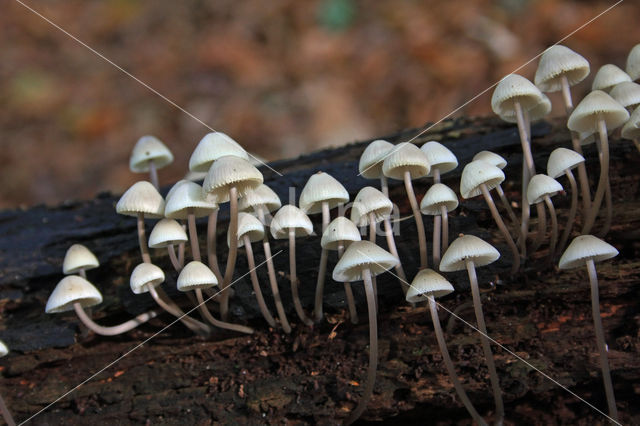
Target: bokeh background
(283, 77)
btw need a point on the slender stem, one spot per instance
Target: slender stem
(572, 211)
(422, 239)
(153, 174)
(602, 345)
(373, 349)
(554, 227)
(142, 240)
(609, 209)
(6, 414)
(175, 262)
(322, 270)
(524, 141)
(437, 238)
(486, 345)
(193, 236)
(256, 284)
(293, 275)
(436, 174)
(233, 251)
(82, 273)
(212, 255)
(445, 227)
(449, 364)
(391, 243)
(202, 306)
(507, 206)
(351, 303)
(566, 94)
(384, 185)
(372, 238)
(604, 177)
(181, 255)
(114, 329)
(326, 217)
(524, 222)
(542, 227)
(165, 303)
(502, 227)
(582, 176)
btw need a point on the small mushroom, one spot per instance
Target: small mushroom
(440, 158)
(631, 129)
(6, 414)
(542, 188)
(586, 250)
(166, 234)
(607, 77)
(626, 94)
(78, 259)
(438, 202)
(371, 159)
(148, 155)
(498, 161)
(633, 63)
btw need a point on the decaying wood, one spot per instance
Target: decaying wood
(313, 375)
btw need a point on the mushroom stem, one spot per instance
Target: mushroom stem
(233, 251)
(566, 94)
(582, 176)
(115, 329)
(554, 226)
(572, 210)
(604, 177)
(524, 141)
(256, 284)
(449, 364)
(373, 349)
(524, 223)
(165, 303)
(502, 227)
(212, 255)
(384, 185)
(372, 238)
(486, 345)
(353, 313)
(293, 274)
(153, 174)
(437, 229)
(175, 262)
(142, 240)
(542, 229)
(322, 268)
(445, 227)
(6, 414)
(608, 202)
(507, 207)
(220, 324)
(193, 235)
(391, 243)
(181, 255)
(602, 346)
(422, 239)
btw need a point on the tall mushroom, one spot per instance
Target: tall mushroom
(468, 252)
(541, 189)
(78, 259)
(440, 158)
(6, 414)
(166, 234)
(148, 155)
(438, 202)
(498, 161)
(631, 129)
(361, 261)
(371, 159)
(586, 250)
(607, 77)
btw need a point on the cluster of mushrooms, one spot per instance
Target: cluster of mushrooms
(256, 212)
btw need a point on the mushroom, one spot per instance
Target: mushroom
(291, 222)
(361, 261)
(562, 161)
(498, 161)
(6, 414)
(321, 193)
(542, 188)
(371, 159)
(467, 252)
(166, 234)
(479, 177)
(407, 162)
(438, 202)
(228, 179)
(631, 129)
(586, 250)
(148, 155)
(339, 234)
(607, 77)
(633, 63)
(626, 94)
(76, 293)
(440, 158)
(78, 259)
(430, 285)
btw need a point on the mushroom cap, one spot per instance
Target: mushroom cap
(541, 186)
(406, 157)
(558, 61)
(363, 255)
(595, 105)
(587, 138)
(467, 247)
(626, 94)
(143, 275)
(371, 159)
(146, 150)
(165, 233)
(438, 195)
(78, 257)
(536, 113)
(322, 187)
(477, 173)
(631, 129)
(491, 158)
(211, 147)
(175, 187)
(584, 248)
(141, 197)
(340, 231)
(260, 196)
(72, 289)
(428, 283)
(250, 226)
(562, 159)
(633, 63)
(288, 217)
(185, 196)
(227, 172)
(4, 350)
(196, 275)
(608, 76)
(511, 89)
(439, 157)
(370, 200)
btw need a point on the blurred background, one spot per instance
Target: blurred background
(282, 77)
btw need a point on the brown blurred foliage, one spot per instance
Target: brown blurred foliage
(282, 77)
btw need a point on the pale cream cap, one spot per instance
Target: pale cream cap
(227, 172)
(584, 248)
(562, 159)
(339, 231)
(322, 187)
(165, 233)
(4, 350)
(541, 186)
(211, 147)
(78, 257)
(371, 159)
(360, 255)
(406, 157)
(370, 200)
(196, 275)
(491, 158)
(511, 89)
(467, 247)
(631, 130)
(477, 173)
(143, 275)
(260, 196)
(290, 217)
(428, 283)
(439, 157)
(250, 226)
(596, 104)
(72, 289)
(633, 63)
(626, 94)
(142, 197)
(538, 112)
(146, 150)
(438, 195)
(558, 61)
(608, 76)
(184, 196)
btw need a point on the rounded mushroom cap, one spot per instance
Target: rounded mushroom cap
(467, 248)
(633, 63)
(631, 129)
(371, 159)
(626, 94)
(363, 255)
(558, 61)
(562, 159)
(250, 226)
(187, 196)
(438, 195)
(165, 233)
(491, 158)
(511, 89)
(340, 231)
(211, 147)
(144, 275)
(290, 217)
(260, 196)
(370, 200)
(406, 157)
(4, 350)
(141, 197)
(196, 275)
(175, 187)
(477, 173)
(78, 257)
(72, 289)
(608, 76)
(227, 172)
(146, 150)
(320, 188)
(595, 105)
(584, 248)
(428, 283)
(541, 186)
(536, 113)
(439, 157)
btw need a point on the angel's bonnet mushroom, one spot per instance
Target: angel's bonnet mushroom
(633, 63)
(78, 259)
(371, 159)
(541, 189)
(559, 69)
(607, 77)
(438, 202)
(626, 94)
(6, 414)
(440, 158)
(166, 234)
(498, 161)
(631, 129)
(148, 155)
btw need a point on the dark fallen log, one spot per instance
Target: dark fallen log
(312, 375)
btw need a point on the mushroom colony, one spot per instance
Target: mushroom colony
(258, 216)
